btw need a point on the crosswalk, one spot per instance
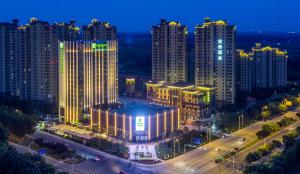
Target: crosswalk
(86, 167)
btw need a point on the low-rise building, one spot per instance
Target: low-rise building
(195, 103)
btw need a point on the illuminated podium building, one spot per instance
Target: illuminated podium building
(136, 122)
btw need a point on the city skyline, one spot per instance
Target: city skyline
(125, 13)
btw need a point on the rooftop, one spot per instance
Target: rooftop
(136, 108)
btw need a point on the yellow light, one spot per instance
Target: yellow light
(91, 118)
(124, 126)
(130, 128)
(149, 128)
(107, 122)
(157, 125)
(172, 120)
(115, 123)
(99, 120)
(165, 122)
(178, 117)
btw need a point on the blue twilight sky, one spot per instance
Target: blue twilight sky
(140, 15)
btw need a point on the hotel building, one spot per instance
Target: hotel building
(169, 52)
(88, 76)
(60, 32)
(215, 59)
(195, 103)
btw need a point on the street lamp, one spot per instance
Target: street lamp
(208, 134)
(241, 116)
(262, 110)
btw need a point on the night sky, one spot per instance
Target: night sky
(140, 15)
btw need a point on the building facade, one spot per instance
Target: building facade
(169, 52)
(195, 103)
(215, 59)
(8, 58)
(88, 76)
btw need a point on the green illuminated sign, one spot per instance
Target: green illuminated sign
(99, 46)
(61, 45)
(140, 123)
(61, 58)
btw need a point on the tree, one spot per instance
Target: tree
(298, 130)
(282, 107)
(252, 157)
(297, 100)
(17, 122)
(285, 121)
(264, 150)
(288, 103)
(289, 140)
(267, 129)
(3, 134)
(266, 114)
(276, 144)
(271, 127)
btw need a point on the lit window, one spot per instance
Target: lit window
(220, 52)
(220, 41)
(220, 57)
(220, 46)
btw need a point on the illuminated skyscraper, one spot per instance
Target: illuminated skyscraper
(88, 76)
(215, 59)
(98, 30)
(169, 52)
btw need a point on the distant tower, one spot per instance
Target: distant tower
(270, 67)
(215, 59)
(98, 30)
(130, 87)
(169, 52)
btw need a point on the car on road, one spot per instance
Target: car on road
(227, 135)
(218, 149)
(242, 139)
(95, 159)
